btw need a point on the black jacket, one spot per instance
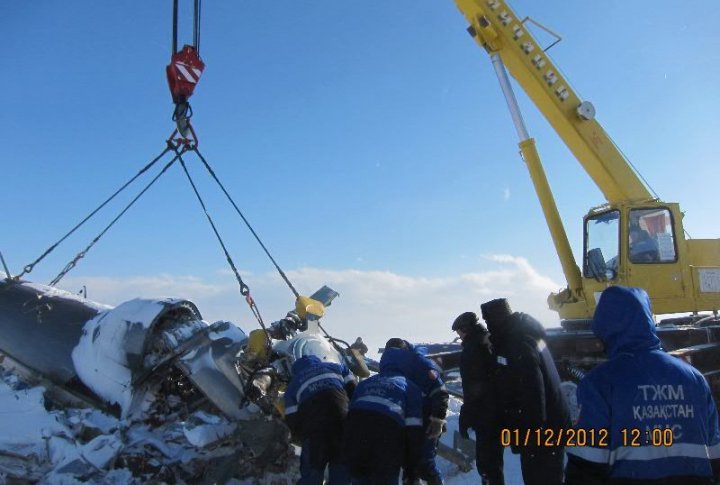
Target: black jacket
(321, 420)
(480, 409)
(319, 414)
(376, 445)
(526, 379)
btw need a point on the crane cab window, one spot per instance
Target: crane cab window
(602, 245)
(650, 236)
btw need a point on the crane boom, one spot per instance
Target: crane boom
(633, 239)
(497, 29)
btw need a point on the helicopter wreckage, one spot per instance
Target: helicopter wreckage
(147, 391)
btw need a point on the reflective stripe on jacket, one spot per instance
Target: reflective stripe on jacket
(641, 389)
(390, 392)
(310, 376)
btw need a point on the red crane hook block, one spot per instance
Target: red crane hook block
(183, 73)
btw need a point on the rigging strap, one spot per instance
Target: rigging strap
(334, 341)
(30, 266)
(82, 253)
(177, 139)
(7, 271)
(257, 238)
(244, 289)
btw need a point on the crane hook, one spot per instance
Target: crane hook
(184, 71)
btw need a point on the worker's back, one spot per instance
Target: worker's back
(653, 414)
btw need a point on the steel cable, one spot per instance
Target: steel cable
(82, 253)
(27, 269)
(244, 289)
(257, 238)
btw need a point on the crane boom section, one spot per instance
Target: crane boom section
(496, 28)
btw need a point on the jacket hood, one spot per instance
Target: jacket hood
(516, 325)
(396, 361)
(623, 321)
(527, 325)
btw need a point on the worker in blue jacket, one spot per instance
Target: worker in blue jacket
(425, 374)
(640, 389)
(316, 404)
(383, 432)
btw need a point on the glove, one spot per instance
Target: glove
(253, 393)
(463, 425)
(258, 387)
(464, 432)
(435, 428)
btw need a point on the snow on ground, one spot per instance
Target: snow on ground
(453, 476)
(24, 420)
(74, 446)
(29, 429)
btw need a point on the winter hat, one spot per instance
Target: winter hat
(465, 321)
(396, 343)
(495, 311)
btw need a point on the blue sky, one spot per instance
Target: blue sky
(368, 142)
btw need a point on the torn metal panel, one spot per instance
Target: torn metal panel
(211, 367)
(114, 355)
(33, 315)
(120, 345)
(325, 295)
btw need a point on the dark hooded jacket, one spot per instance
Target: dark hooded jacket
(479, 409)
(525, 377)
(639, 389)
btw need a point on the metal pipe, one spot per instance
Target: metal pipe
(552, 215)
(509, 97)
(539, 179)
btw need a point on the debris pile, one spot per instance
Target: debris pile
(143, 392)
(46, 443)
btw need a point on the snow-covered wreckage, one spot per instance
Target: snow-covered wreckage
(145, 391)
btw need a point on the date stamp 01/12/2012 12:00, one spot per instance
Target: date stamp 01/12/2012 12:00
(580, 437)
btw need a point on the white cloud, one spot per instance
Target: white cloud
(376, 305)
(506, 193)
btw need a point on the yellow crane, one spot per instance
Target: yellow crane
(633, 239)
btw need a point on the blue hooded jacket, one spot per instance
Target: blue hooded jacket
(390, 392)
(640, 389)
(425, 374)
(310, 375)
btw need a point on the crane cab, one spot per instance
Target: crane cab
(644, 245)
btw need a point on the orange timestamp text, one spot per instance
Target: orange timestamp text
(647, 437)
(569, 437)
